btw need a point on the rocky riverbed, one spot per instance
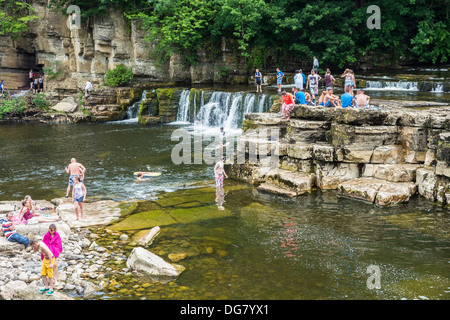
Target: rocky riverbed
(93, 256)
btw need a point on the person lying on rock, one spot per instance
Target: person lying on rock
(9, 230)
(47, 265)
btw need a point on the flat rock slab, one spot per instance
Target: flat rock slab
(270, 188)
(380, 192)
(297, 182)
(101, 212)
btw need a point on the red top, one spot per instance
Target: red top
(287, 99)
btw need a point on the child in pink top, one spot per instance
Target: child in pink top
(53, 241)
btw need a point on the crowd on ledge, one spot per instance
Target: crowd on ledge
(326, 98)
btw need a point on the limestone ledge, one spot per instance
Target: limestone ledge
(383, 156)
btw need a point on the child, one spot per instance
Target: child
(258, 77)
(53, 241)
(287, 106)
(78, 196)
(48, 263)
(313, 84)
(280, 76)
(361, 99)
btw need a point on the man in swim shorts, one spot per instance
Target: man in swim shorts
(74, 169)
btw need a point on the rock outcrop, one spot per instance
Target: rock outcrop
(383, 156)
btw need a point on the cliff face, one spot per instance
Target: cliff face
(380, 156)
(88, 53)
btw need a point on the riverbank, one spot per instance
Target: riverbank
(383, 155)
(85, 266)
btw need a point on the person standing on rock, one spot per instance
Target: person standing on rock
(315, 64)
(258, 77)
(79, 196)
(53, 241)
(74, 169)
(48, 263)
(87, 87)
(30, 78)
(9, 231)
(280, 76)
(2, 88)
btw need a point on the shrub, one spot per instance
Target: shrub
(12, 106)
(40, 101)
(120, 76)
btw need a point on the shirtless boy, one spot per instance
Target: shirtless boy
(74, 169)
(361, 99)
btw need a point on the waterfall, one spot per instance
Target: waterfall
(133, 111)
(184, 107)
(392, 85)
(223, 109)
(438, 87)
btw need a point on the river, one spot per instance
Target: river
(258, 246)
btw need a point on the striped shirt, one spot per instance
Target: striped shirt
(5, 226)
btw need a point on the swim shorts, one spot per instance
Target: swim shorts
(219, 179)
(71, 182)
(46, 271)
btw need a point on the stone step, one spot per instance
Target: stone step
(297, 182)
(377, 191)
(270, 188)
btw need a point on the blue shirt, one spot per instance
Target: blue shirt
(304, 78)
(346, 99)
(300, 96)
(279, 74)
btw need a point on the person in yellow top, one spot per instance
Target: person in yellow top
(47, 265)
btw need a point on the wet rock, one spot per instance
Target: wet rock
(143, 260)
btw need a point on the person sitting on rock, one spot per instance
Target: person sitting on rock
(9, 231)
(28, 215)
(361, 100)
(331, 100)
(288, 104)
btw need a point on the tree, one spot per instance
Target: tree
(14, 17)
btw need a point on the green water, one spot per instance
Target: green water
(259, 247)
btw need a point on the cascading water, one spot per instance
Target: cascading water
(133, 111)
(184, 107)
(223, 109)
(392, 85)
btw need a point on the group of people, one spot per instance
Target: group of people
(36, 82)
(51, 245)
(49, 248)
(327, 98)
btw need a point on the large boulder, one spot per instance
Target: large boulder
(67, 105)
(143, 260)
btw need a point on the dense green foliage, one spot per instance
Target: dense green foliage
(14, 17)
(119, 76)
(12, 107)
(259, 31)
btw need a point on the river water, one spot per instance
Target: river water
(257, 246)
